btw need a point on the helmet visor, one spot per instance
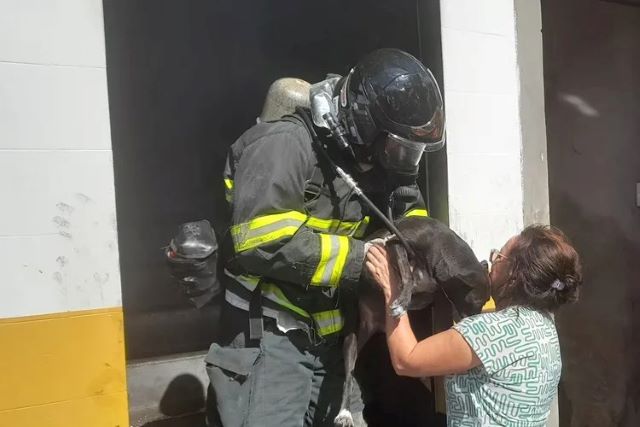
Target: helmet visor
(431, 135)
(399, 154)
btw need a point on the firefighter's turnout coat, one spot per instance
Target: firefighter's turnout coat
(297, 227)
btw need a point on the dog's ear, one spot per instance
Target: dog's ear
(407, 283)
(402, 264)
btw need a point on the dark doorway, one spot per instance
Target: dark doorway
(185, 80)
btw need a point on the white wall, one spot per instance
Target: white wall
(58, 241)
(496, 146)
(487, 127)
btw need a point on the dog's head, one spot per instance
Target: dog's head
(442, 261)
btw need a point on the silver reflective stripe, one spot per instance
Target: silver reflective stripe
(269, 291)
(334, 251)
(331, 263)
(285, 321)
(248, 282)
(245, 238)
(329, 322)
(266, 229)
(244, 232)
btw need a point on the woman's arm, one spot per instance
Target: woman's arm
(443, 353)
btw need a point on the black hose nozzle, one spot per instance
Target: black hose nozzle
(338, 133)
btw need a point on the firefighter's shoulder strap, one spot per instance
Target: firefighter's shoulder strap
(256, 323)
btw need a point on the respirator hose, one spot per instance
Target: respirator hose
(349, 180)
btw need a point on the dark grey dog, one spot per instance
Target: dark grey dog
(442, 262)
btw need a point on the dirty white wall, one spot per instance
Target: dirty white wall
(58, 229)
(60, 301)
(496, 146)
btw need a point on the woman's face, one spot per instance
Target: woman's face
(501, 268)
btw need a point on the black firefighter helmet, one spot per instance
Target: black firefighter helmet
(392, 107)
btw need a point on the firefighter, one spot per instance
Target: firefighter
(295, 247)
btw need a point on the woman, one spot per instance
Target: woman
(502, 368)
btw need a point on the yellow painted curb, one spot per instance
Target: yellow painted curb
(63, 369)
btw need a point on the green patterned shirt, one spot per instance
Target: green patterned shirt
(518, 378)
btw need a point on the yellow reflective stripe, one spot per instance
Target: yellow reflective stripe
(228, 190)
(265, 220)
(417, 212)
(343, 251)
(269, 291)
(321, 224)
(266, 229)
(335, 226)
(325, 257)
(332, 225)
(333, 256)
(275, 294)
(256, 241)
(328, 322)
(362, 227)
(346, 228)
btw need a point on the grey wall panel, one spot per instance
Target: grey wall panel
(592, 77)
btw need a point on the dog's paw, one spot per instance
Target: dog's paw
(344, 419)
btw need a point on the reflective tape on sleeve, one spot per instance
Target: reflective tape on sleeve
(266, 229)
(333, 256)
(270, 291)
(362, 227)
(328, 322)
(335, 226)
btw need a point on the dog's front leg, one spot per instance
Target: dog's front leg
(427, 382)
(407, 282)
(350, 351)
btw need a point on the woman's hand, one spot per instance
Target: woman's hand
(377, 262)
(444, 353)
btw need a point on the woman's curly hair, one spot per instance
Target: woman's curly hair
(545, 270)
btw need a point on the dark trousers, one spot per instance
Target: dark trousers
(284, 380)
